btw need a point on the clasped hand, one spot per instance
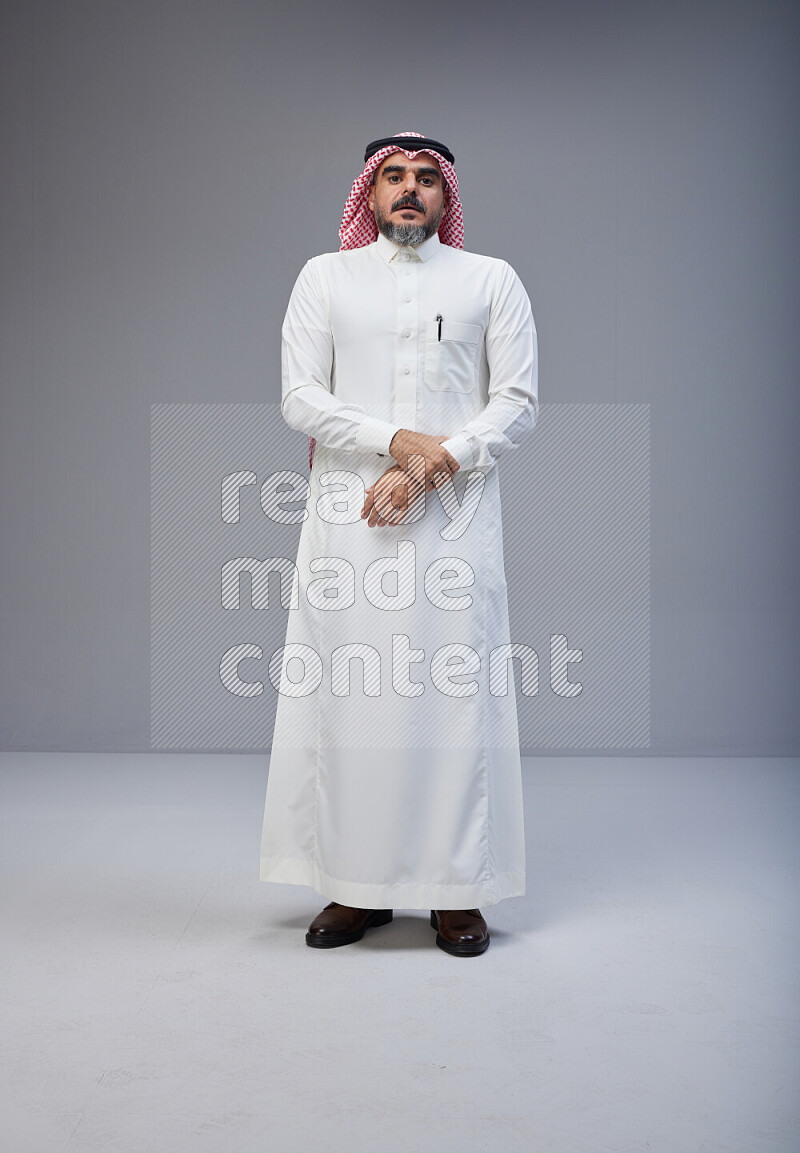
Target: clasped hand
(422, 465)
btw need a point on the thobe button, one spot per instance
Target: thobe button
(408, 300)
(406, 332)
(406, 370)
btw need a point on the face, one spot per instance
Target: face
(408, 197)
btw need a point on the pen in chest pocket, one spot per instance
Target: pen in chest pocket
(439, 318)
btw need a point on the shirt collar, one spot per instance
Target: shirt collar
(387, 249)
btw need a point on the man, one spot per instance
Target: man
(412, 367)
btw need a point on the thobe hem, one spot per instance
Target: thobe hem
(399, 895)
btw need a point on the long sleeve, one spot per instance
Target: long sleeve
(513, 408)
(307, 360)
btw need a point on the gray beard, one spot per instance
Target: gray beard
(409, 234)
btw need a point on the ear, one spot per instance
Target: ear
(371, 198)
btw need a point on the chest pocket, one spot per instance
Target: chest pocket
(451, 364)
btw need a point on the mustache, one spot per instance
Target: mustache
(408, 202)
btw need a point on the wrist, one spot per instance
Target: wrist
(396, 443)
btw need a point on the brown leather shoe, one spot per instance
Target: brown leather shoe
(340, 925)
(462, 932)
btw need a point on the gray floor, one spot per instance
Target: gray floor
(643, 996)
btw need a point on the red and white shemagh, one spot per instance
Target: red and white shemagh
(358, 226)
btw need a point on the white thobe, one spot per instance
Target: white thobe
(394, 777)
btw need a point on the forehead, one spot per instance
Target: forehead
(399, 160)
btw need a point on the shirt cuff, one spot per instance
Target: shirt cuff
(459, 447)
(375, 435)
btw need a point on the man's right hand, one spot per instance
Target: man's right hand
(406, 443)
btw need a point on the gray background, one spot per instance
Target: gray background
(169, 167)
